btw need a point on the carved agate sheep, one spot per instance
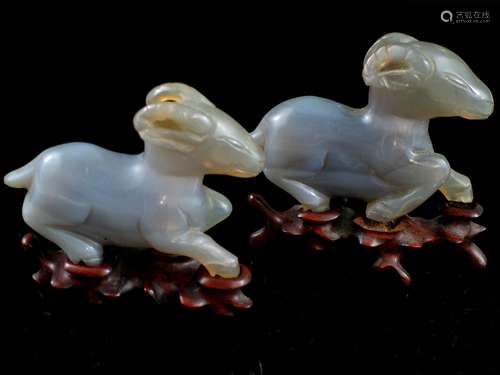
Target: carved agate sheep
(317, 148)
(81, 196)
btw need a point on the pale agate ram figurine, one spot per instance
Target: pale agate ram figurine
(316, 148)
(81, 196)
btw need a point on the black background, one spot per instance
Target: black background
(81, 76)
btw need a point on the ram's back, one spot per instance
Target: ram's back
(85, 171)
(298, 132)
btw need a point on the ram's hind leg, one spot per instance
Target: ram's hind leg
(77, 247)
(309, 197)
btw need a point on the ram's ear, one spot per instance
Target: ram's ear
(395, 62)
(176, 92)
(173, 125)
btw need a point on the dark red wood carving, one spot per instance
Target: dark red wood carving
(161, 276)
(391, 240)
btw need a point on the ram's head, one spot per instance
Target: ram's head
(180, 119)
(427, 79)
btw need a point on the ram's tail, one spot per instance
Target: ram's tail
(22, 177)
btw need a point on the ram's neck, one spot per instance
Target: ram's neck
(384, 111)
(165, 162)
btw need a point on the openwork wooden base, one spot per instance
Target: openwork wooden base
(391, 240)
(163, 277)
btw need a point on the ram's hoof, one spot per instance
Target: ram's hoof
(217, 282)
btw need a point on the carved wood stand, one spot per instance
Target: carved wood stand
(454, 224)
(163, 277)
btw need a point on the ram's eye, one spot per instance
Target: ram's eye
(458, 82)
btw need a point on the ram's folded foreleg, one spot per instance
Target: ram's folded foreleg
(418, 180)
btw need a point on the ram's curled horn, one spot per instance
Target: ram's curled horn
(175, 92)
(396, 62)
(173, 125)
(389, 39)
